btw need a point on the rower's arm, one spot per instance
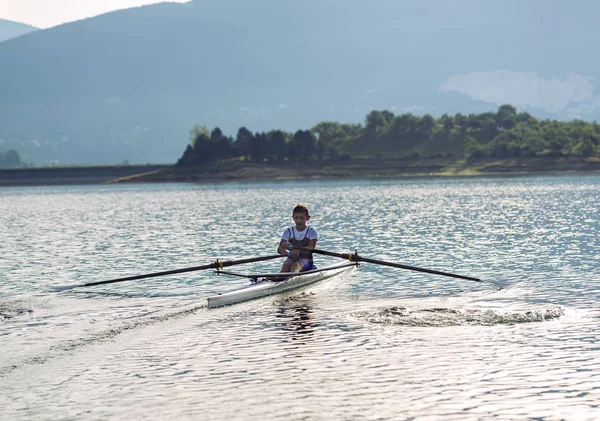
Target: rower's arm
(282, 249)
(311, 245)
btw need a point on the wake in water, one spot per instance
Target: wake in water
(64, 343)
(440, 317)
(14, 308)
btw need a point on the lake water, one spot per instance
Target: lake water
(376, 343)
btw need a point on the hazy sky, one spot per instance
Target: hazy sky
(47, 13)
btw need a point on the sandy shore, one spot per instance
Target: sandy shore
(373, 168)
(73, 175)
(240, 171)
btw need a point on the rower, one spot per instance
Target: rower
(298, 235)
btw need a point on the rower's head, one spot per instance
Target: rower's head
(300, 215)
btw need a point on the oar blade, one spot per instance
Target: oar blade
(59, 288)
(499, 284)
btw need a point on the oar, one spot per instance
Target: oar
(357, 258)
(216, 265)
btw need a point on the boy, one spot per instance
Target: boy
(300, 235)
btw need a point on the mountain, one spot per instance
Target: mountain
(10, 29)
(131, 84)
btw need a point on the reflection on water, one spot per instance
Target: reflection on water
(295, 316)
(378, 343)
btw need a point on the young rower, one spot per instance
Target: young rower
(299, 235)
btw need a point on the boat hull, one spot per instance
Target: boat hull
(265, 288)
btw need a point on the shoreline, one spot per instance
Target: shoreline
(72, 175)
(248, 171)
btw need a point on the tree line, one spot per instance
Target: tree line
(503, 134)
(10, 159)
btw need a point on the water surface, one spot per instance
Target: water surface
(375, 343)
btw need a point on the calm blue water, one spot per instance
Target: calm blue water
(376, 343)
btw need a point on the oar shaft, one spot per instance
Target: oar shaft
(417, 269)
(358, 258)
(215, 265)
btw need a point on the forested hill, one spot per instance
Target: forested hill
(503, 134)
(128, 85)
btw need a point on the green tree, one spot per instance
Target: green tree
(378, 122)
(505, 116)
(302, 146)
(242, 142)
(199, 151)
(472, 148)
(327, 133)
(447, 123)
(220, 144)
(199, 133)
(403, 134)
(426, 126)
(10, 159)
(257, 147)
(278, 145)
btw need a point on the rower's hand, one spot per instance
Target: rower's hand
(292, 252)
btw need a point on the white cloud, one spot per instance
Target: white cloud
(415, 109)
(45, 14)
(263, 109)
(527, 90)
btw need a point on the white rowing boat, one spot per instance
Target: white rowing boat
(263, 285)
